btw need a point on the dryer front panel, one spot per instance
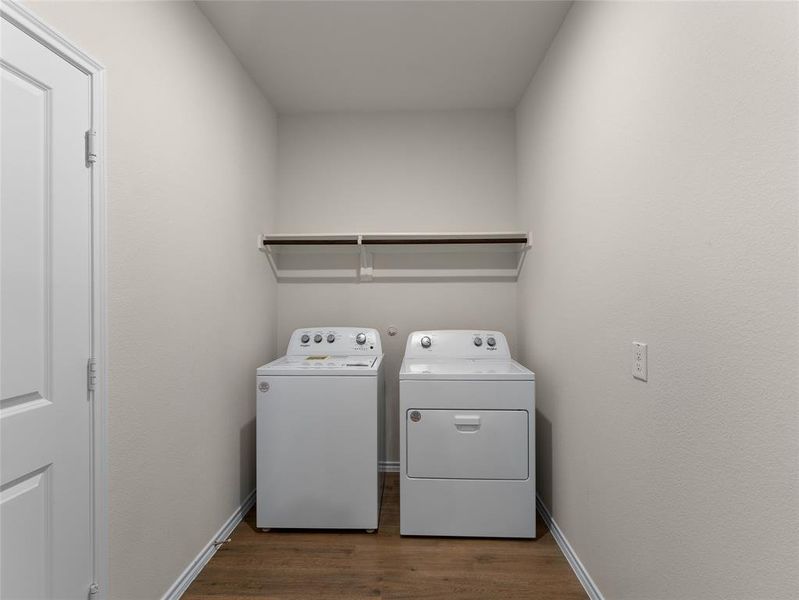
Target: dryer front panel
(467, 444)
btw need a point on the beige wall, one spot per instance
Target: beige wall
(657, 161)
(384, 172)
(191, 302)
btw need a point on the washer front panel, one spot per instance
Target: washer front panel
(317, 450)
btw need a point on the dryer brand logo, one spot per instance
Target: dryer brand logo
(416, 416)
(263, 386)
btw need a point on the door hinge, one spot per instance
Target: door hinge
(91, 374)
(94, 589)
(91, 147)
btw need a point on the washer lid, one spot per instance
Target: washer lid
(464, 369)
(322, 364)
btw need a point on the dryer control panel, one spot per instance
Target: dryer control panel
(457, 343)
(323, 341)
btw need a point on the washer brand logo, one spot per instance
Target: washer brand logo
(416, 416)
(263, 386)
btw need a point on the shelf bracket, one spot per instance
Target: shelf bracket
(267, 249)
(366, 267)
(522, 254)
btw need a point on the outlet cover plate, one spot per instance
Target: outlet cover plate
(640, 368)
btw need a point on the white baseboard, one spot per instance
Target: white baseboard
(574, 561)
(177, 589)
(389, 466)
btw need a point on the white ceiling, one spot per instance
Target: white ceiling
(388, 55)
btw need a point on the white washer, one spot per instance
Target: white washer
(467, 437)
(320, 431)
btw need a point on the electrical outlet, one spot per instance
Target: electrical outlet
(639, 361)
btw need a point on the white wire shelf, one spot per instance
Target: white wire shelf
(442, 256)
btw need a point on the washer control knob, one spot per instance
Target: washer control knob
(305, 338)
(317, 338)
(426, 341)
(478, 342)
(491, 342)
(331, 338)
(360, 339)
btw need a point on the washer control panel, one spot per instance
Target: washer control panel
(457, 343)
(334, 340)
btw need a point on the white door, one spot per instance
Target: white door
(45, 325)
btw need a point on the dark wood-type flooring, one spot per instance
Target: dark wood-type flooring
(318, 564)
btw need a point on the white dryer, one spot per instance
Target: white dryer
(320, 431)
(467, 437)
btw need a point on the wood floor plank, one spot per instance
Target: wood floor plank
(337, 565)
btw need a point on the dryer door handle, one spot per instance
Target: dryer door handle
(467, 423)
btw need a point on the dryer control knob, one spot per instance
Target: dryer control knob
(491, 342)
(426, 341)
(360, 339)
(331, 338)
(305, 338)
(317, 338)
(478, 342)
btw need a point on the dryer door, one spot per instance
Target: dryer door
(467, 444)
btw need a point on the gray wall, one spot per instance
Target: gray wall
(191, 303)
(657, 162)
